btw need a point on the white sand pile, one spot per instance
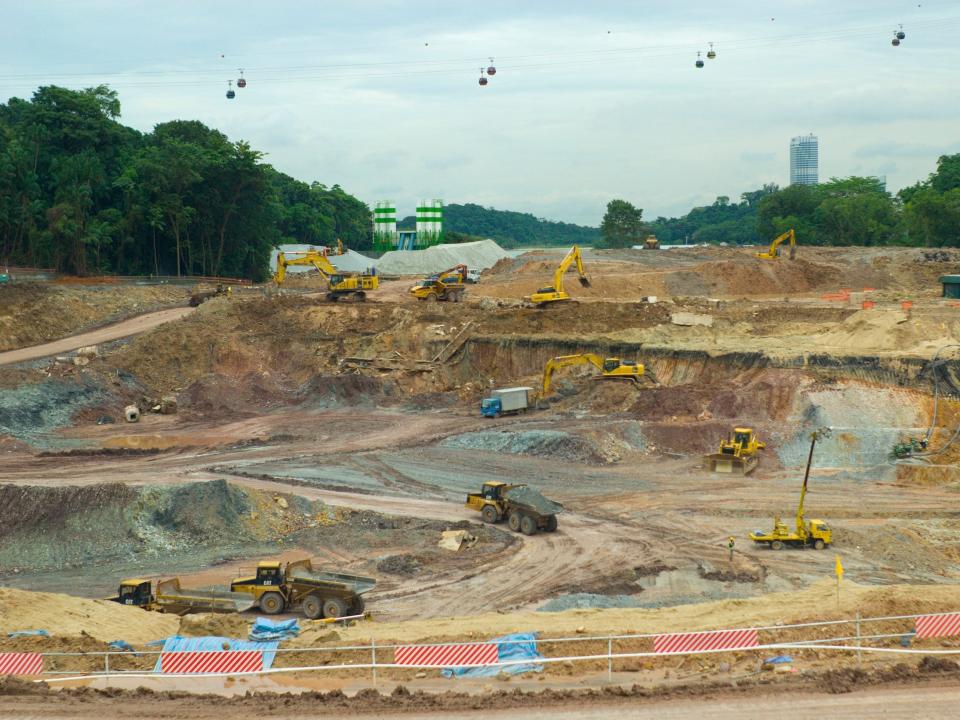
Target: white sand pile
(478, 255)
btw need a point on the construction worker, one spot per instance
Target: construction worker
(730, 547)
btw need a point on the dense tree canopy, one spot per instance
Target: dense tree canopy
(509, 228)
(84, 194)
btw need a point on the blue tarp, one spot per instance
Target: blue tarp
(778, 660)
(265, 629)
(28, 633)
(177, 643)
(122, 645)
(519, 646)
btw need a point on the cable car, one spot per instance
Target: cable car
(241, 81)
(711, 53)
(230, 93)
(901, 35)
(491, 70)
(895, 42)
(483, 78)
(699, 62)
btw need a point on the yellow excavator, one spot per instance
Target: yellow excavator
(449, 285)
(610, 368)
(738, 453)
(555, 293)
(814, 533)
(774, 252)
(339, 284)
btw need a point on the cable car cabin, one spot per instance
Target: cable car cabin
(483, 81)
(134, 592)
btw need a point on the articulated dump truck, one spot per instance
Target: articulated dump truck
(171, 598)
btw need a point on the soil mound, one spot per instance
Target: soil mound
(64, 615)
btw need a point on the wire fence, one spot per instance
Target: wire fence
(895, 634)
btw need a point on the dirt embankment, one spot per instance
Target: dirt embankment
(33, 313)
(50, 537)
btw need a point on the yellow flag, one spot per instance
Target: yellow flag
(838, 569)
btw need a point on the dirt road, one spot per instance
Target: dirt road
(133, 326)
(926, 701)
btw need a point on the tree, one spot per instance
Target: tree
(622, 225)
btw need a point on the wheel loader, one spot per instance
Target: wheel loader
(524, 509)
(316, 593)
(738, 453)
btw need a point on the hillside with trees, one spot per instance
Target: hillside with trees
(82, 193)
(509, 228)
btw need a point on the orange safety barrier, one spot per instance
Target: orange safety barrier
(869, 304)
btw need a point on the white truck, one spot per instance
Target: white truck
(505, 401)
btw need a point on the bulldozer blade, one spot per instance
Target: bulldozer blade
(730, 464)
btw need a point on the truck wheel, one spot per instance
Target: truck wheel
(312, 606)
(489, 514)
(432, 297)
(776, 545)
(818, 545)
(528, 525)
(334, 608)
(514, 521)
(272, 603)
(552, 523)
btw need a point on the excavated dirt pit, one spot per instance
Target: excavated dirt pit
(51, 537)
(323, 407)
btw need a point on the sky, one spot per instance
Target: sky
(591, 100)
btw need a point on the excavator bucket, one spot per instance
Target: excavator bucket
(585, 281)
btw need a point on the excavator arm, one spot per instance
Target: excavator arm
(772, 252)
(306, 257)
(564, 361)
(574, 256)
(457, 271)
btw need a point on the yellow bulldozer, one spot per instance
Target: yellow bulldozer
(610, 368)
(339, 284)
(546, 296)
(449, 285)
(738, 453)
(774, 251)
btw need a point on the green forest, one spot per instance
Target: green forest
(841, 211)
(82, 193)
(510, 229)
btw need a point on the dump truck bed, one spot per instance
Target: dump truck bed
(172, 598)
(357, 584)
(530, 498)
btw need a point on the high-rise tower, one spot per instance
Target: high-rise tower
(804, 159)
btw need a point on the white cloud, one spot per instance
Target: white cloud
(381, 96)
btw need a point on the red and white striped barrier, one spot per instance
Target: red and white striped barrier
(929, 626)
(214, 661)
(710, 640)
(446, 655)
(21, 663)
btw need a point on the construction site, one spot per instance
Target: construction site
(667, 414)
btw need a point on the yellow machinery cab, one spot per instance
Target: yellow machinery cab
(134, 591)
